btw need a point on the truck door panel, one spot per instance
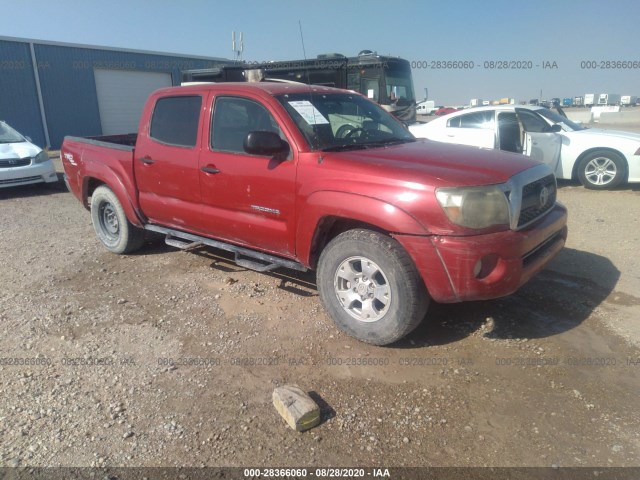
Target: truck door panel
(166, 163)
(247, 199)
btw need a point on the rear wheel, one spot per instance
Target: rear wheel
(111, 224)
(601, 170)
(370, 287)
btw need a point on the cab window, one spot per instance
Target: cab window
(175, 120)
(234, 118)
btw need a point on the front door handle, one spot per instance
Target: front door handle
(210, 169)
(147, 160)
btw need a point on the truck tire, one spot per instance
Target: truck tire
(111, 224)
(602, 169)
(370, 287)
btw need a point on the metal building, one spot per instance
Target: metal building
(51, 89)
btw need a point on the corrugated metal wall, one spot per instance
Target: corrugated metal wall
(68, 85)
(18, 96)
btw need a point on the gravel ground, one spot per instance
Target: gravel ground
(546, 377)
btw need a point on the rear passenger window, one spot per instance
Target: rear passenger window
(483, 119)
(175, 120)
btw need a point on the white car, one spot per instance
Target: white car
(22, 162)
(599, 158)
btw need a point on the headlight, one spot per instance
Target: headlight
(41, 157)
(474, 207)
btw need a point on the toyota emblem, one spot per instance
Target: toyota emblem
(544, 196)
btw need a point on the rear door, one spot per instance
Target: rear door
(538, 143)
(247, 199)
(166, 162)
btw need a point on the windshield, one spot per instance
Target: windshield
(342, 121)
(564, 122)
(398, 81)
(9, 135)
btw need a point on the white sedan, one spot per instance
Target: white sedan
(22, 162)
(600, 159)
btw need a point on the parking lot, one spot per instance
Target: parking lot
(169, 358)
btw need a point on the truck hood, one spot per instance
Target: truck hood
(18, 150)
(437, 164)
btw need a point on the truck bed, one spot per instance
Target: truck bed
(101, 158)
(125, 141)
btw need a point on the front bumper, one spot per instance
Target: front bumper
(34, 173)
(481, 267)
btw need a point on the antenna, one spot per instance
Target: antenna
(306, 69)
(304, 53)
(237, 52)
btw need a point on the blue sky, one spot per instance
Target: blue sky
(565, 32)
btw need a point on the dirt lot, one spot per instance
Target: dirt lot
(547, 377)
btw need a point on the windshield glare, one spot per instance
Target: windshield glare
(399, 89)
(555, 118)
(9, 135)
(342, 120)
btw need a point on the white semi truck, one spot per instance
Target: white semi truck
(608, 99)
(589, 99)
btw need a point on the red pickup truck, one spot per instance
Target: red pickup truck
(307, 177)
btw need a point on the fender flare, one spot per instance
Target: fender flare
(352, 207)
(111, 178)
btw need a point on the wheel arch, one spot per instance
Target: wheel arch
(328, 214)
(576, 164)
(91, 182)
(329, 227)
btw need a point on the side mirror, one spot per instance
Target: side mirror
(265, 143)
(555, 128)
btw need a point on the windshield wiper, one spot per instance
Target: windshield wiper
(392, 141)
(346, 146)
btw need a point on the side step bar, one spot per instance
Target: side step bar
(176, 242)
(244, 257)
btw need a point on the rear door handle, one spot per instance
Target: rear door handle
(210, 169)
(147, 160)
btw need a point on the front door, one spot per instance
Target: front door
(247, 199)
(539, 143)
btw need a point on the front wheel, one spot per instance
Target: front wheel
(601, 170)
(111, 224)
(370, 287)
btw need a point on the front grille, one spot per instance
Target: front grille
(537, 198)
(20, 180)
(15, 162)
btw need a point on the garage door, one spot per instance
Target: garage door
(121, 97)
